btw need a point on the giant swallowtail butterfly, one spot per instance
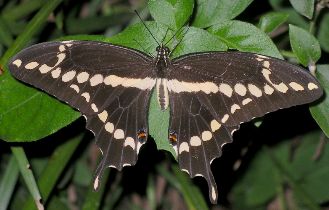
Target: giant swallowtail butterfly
(209, 94)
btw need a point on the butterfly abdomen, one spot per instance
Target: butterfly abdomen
(162, 93)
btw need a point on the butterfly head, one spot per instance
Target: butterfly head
(162, 59)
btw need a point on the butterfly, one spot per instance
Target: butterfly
(209, 95)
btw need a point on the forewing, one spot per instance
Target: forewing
(110, 85)
(211, 94)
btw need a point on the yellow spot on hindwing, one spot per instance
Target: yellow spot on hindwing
(109, 127)
(195, 141)
(129, 141)
(183, 147)
(206, 135)
(214, 125)
(103, 116)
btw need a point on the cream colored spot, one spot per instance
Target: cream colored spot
(86, 96)
(139, 145)
(312, 86)
(61, 48)
(143, 84)
(195, 141)
(296, 86)
(214, 124)
(94, 107)
(185, 170)
(60, 57)
(254, 90)
(119, 134)
(234, 107)
(240, 89)
(183, 147)
(213, 193)
(206, 135)
(226, 89)
(261, 56)
(44, 68)
(103, 116)
(31, 65)
(96, 183)
(246, 101)
(126, 164)
(109, 127)
(96, 79)
(17, 62)
(68, 76)
(129, 141)
(268, 89)
(266, 64)
(181, 86)
(225, 118)
(280, 87)
(75, 87)
(56, 73)
(82, 77)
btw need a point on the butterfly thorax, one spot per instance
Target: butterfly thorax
(161, 62)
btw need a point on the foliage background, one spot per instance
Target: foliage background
(46, 154)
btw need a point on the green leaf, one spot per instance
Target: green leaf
(304, 7)
(159, 125)
(171, 13)
(39, 114)
(51, 174)
(26, 172)
(272, 21)
(276, 4)
(8, 182)
(304, 45)
(324, 33)
(320, 111)
(192, 195)
(245, 37)
(279, 166)
(94, 199)
(210, 12)
(17, 100)
(198, 40)
(295, 18)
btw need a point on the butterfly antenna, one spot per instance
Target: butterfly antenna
(165, 36)
(144, 49)
(177, 32)
(179, 41)
(147, 27)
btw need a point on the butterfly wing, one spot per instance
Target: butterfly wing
(211, 94)
(110, 85)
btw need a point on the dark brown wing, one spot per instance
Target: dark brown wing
(211, 94)
(110, 85)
